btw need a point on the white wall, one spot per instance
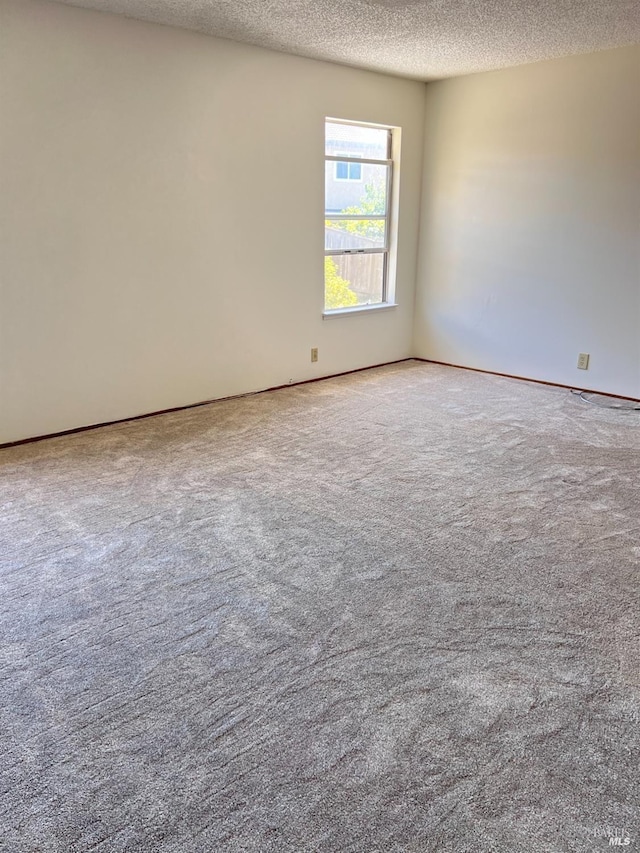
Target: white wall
(161, 214)
(530, 241)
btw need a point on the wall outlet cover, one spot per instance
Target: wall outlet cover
(583, 361)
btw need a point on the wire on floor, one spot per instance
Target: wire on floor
(621, 405)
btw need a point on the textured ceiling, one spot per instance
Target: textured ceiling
(425, 39)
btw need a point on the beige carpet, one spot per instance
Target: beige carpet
(393, 611)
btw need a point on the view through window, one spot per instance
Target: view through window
(358, 171)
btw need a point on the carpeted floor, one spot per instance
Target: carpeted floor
(393, 611)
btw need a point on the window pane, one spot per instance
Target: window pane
(354, 234)
(351, 280)
(367, 196)
(356, 141)
(348, 171)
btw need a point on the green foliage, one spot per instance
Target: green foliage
(373, 204)
(337, 293)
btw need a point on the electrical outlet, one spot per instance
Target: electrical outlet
(583, 361)
(314, 353)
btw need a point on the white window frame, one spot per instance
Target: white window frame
(388, 250)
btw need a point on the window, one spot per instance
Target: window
(358, 182)
(348, 171)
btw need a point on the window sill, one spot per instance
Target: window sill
(359, 309)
